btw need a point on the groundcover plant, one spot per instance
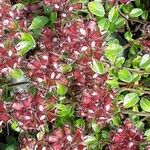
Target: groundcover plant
(74, 74)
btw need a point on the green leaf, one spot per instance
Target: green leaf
(80, 123)
(104, 24)
(32, 90)
(96, 127)
(15, 125)
(65, 110)
(18, 6)
(130, 100)
(145, 104)
(136, 12)
(61, 89)
(145, 15)
(16, 74)
(120, 22)
(136, 77)
(38, 22)
(27, 43)
(125, 75)
(96, 8)
(112, 51)
(65, 68)
(128, 36)
(91, 140)
(98, 67)
(113, 14)
(147, 134)
(113, 83)
(145, 61)
(53, 18)
(119, 61)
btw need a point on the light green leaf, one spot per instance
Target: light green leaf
(113, 83)
(119, 61)
(145, 61)
(130, 100)
(65, 68)
(95, 127)
(104, 24)
(16, 74)
(98, 67)
(145, 104)
(27, 43)
(96, 8)
(38, 22)
(125, 75)
(136, 12)
(61, 89)
(120, 22)
(18, 6)
(112, 51)
(113, 14)
(147, 134)
(128, 36)
(91, 140)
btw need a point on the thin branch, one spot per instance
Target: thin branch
(128, 19)
(133, 90)
(19, 83)
(129, 112)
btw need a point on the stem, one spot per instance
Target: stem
(134, 90)
(19, 83)
(137, 71)
(128, 19)
(129, 112)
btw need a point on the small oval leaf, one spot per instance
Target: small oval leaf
(39, 22)
(130, 100)
(113, 14)
(125, 75)
(145, 104)
(16, 74)
(61, 89)
(98, 67)
(136, 12)
(96, 8)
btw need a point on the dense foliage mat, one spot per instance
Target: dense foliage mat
(74, 74)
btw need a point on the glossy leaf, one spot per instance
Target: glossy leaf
(98, 67)
(125, 75)
(26, 44)
(130, 100)
(96, 8)
(145, 61)
(145, 104)
(113, 14)
(136, 12)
